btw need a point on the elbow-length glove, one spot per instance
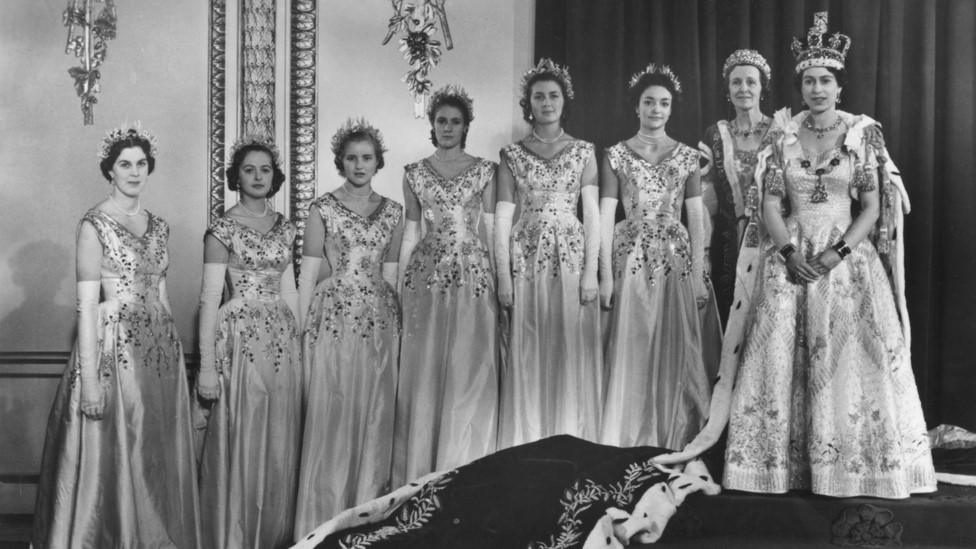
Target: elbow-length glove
(289, 290)
(92, 393)
(504, 213)
(696, 230)
(208, 382)
(488, 219)
(307, 278)
(608, 213)
(591, 243)
(411, 236)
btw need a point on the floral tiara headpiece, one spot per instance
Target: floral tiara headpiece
(817, 54)
(258, 140)
(453, 91)
(124, 132)
(746, 57)
(546, 66)
(356, 125)
(653, 68)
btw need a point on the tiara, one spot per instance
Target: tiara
(452, 91)
(258, 140)
(356, 125)
(654, 68)
(124, 132)
(746, 57)
(546, 66)
(817, 54)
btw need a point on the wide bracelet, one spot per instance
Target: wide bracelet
(786, 251)
(842, 249)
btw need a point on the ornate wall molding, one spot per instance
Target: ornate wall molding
(258, 68)
(217, 107)
(304, 115)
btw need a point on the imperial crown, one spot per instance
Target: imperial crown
(817, 53)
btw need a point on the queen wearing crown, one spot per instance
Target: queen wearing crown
(824, 397)
(652, 275)
(250, 362)
(118, 467)
(351, 335)
(552, 379)
(447, 396)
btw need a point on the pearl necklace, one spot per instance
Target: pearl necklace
(352, 195)
(650, 139)
(122, 210)
(251, 213)
(808, 124)
(455, 159)
(562, 132)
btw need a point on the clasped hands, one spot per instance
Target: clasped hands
(803, 271)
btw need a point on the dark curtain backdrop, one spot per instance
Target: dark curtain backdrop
(911, 67)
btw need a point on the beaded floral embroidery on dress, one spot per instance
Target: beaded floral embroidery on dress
(548, 237)
(451, 255)
(651, 237)
(255, 315)
(355, 247)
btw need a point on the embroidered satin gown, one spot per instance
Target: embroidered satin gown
(552, 380)
(447, 400)
(825, 398)
(350, 342)
(658, 391)
(249, 464)
(128, 479)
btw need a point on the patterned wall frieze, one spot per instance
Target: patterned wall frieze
(216, 105)
(304, 115)
(257, 69)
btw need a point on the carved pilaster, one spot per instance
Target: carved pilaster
(304, 115)
(258, 68)
(216, 107)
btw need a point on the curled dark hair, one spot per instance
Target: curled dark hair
(358, 135)
(457, 103)
(763, 80)
(126, 143)
(526, 101)
(648, 80)
(233, 172)
(839, 74)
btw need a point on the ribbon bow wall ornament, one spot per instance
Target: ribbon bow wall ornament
(418, 21)
(87, 37)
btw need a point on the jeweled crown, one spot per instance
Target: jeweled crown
(547, 66)
(356, 125)
(654, 68)
(258, 140)
(123, 132)
(746, 57)
(453, 91)
(817, 53)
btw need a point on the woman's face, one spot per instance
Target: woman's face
(130, 171)
(819, 89)
(449, 127)
(654, 108)
(256, 174)
(546, 100)
(745, 87)
(359, 162)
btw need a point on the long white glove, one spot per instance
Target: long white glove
(164, 296)
(390, 269)
(608, 215)
(288, 289)
(696, 230)
(488, 219)
(92, 393)
(411, 236)
(591, 242)
(308, 277)
(208, 382)
(504, 213)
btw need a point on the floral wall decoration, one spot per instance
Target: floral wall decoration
(87, 37)
(418, 21)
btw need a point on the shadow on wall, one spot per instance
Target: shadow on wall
(39, 269)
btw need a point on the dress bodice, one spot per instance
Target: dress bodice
(356, 245)
(451, 252)
(652, 191)
(818, 188)
(131, 265)
(257, 260)
(547, 191)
